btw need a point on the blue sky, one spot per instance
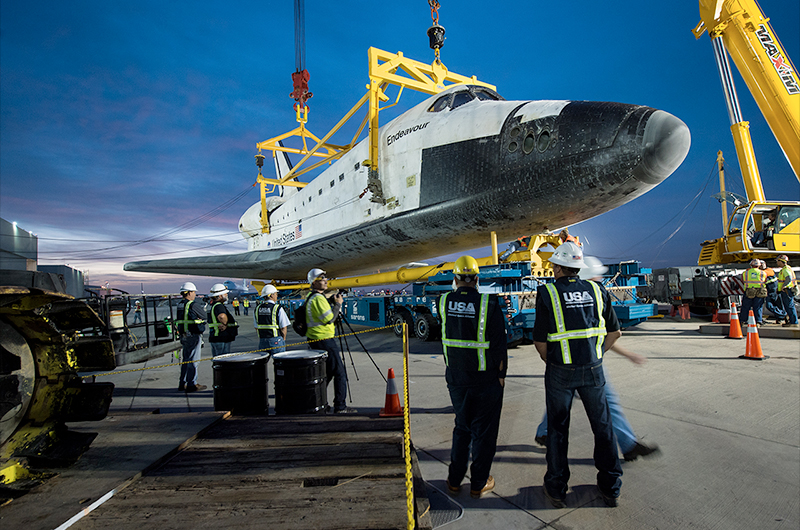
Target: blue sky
(122, 122)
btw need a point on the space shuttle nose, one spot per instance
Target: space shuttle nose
(665, 144)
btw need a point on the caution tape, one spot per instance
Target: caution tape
(228, 355)
(407, 434)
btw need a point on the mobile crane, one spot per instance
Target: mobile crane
(740, 28)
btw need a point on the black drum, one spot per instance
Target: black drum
(300, 382)
(240, 384)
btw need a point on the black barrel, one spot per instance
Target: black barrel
(300, 382)
(240, 384)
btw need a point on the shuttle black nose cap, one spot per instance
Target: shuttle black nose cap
(665, 144)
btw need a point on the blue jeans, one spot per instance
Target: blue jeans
(561, 382)
(622, 429)
(772, 303)
(220, 348)
(756, 304)
(477, 411)
(271, 345)
(335, 370)
(788, 306)
(137, 317)
(191, 356)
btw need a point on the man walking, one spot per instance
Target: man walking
(476, 356)
(320, 318)
(575, 324)
(787, 288)
(271, 322)
(191, 325)
(223, 326)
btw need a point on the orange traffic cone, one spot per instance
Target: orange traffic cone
(735, 331)
(684, 311)
(753, 347)
(392, 407)
(715, 317)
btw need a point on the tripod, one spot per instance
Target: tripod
(341, 320)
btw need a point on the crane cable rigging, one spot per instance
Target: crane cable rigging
(300, 77)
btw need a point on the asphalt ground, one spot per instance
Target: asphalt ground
(728, 429)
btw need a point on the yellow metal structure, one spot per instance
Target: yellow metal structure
(739, 28)
(385, 68)
(764, 66)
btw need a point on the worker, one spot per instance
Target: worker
(772, 302)
(236, 306)
(575, 324)
(787, 288)
(246, 305)
(565, 237)
(271, 322)
(320, 318)
(629, 444)
(521, 243)
(476, 359)
(223, 326)
(761, 237)
(755, 291)
(137, 312)
(191, 325)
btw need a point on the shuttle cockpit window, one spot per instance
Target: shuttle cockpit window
(460, 98)
(440, 104)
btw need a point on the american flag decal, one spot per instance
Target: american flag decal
(298, 232)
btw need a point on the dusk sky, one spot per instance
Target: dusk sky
(128, 129)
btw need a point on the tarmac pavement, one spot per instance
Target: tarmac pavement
(728, 429)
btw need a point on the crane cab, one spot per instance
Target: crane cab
(758, 229)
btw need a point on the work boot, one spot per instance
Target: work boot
(346, 410)
(195, 388)
(541, 440)
(486, 489)
(181, 386)
(555, 501)
(453, 489)
(608, 499)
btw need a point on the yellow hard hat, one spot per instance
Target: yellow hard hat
(467, 266)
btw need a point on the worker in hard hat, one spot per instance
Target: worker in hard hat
(271, 322)
(223, 326)
(566, 237)
(772, 302)
(476, 357)
(320, 318)
(137, 312)
(630, 445)
(521, 243)
(787, 288)
(575, 324)
(191, 324)
(755, 292)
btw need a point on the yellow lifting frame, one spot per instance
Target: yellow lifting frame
(383, 70)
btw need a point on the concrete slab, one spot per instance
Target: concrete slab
(729, 430)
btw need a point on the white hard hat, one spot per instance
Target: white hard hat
(218, 290)
(268, 290)
(755, 262)
(188, 286)
(594, 268)
(568, 255)
(313, 274)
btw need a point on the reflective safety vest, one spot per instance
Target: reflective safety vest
(214, 324)
(183, 325)
(785, 274)
(479, 344)
(246, 302)
(753, 278)
(270, 315)
(235, 303)
(563, 335)
(319, 317)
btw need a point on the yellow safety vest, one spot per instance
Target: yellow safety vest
(319, 317)
(563, 335)
(273, 326)
(186, 321)
(480, 344)
(786, 273)
(214, 324)
(753, 278)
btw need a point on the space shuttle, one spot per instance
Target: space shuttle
(456, 167)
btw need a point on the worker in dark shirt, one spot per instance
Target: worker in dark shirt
(475, 352)
(191, 324)
(575, 325)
